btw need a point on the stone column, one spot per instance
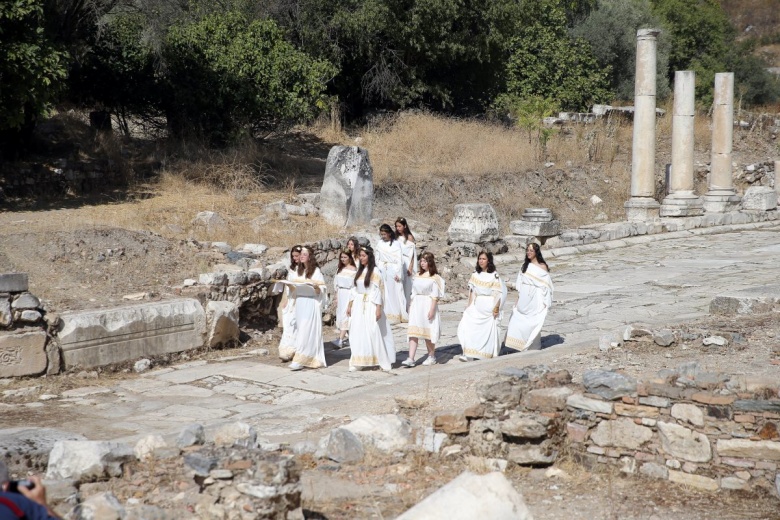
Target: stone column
(722, 196)
(642, 204)
(682, 201)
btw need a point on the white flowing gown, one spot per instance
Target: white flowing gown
(535, 294)
(390, 259)
(370, 340)
(425, 289)
(409, 251)
(342, 284)
(304, 342)
(287, 344)
(478, 329)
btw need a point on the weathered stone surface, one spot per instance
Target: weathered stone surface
(6, 316)
(29, 316)
(653, 470)
(621, 433)
(386, 433)
(451, 423)
(145, 447)
(759, 198)
(22, 354)
(27, 449)
(744, 448)
(682, 443)
(697, 481)
(485, 438)
(664, 338)
(26, 301)
(757, 405)
(753, 300)
(636, 410)
(211, 221)
(222, 322)
(660, 402)
(473, 223)
(347, 193)
(103, 506)
(688, 412)
(191, 435)
(547, 399)
(201, 463)
(107, 336)
(733, 483)
(13, 282)
(343, 446)
(609, 385)
(500, 395)
(472, 496)
(718, 341)
(532, 454)
(535, 229)
(236, 434)
(586, 403)
(525, 426)
(88, 460)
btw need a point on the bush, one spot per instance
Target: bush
(226, 76)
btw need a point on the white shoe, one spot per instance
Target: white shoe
(296, 366)
(430, 361)
(464, 358)
(353, 369)
(408, 363)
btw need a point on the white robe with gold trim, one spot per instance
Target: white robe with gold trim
(535, 294)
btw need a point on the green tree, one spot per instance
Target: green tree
(611, 31)
(226, 75)
(545, 61)
(31, 69)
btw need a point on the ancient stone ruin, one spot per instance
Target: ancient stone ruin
(347, 193)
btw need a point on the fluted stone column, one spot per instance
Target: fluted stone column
(642, 204)
(722, 196)
(682, 201)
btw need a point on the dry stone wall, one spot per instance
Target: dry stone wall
(706, 430)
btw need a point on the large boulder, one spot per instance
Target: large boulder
(222, 320)
(347, 193)
(27, 449)
(88, 460)
(386, 433)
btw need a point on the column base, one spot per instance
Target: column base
(721, 201)
(641, 208)
(682, 205)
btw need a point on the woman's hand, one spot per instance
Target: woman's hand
(349, 310)
(409, 271)
(495, 312)
(378, 312)
(431, 314)
(397, 278)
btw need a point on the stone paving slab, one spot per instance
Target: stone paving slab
(318, 383)
(190, 374)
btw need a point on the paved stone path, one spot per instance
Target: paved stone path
(656, 280)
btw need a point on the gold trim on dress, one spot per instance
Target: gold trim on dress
(307, 361)
(419, 332)
(515, 342)
(476, 353)
(363, 361)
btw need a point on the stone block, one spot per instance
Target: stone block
(682, 443)
(537, 215)
(581, 402)
(758, 198)
(609, 385)
(13, 282)
(6, 316)
(697, 481)
(536, 229)
(88, 460)
(107, 336)
(472, 496)
(688, 412)
(222, 322)
(474, 223)
(27, 449)
(660, 402)
(754, 300)
(26, 301)
(547, 399)
(347, 193)
(621, 433)
(386, 433)
(636, 410)
(576, 432)
(451, 423)
(22, 354)
(744, 448)
(653, 470)
(733, 483)
(525, 426)
(531, 454)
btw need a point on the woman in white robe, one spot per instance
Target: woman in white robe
(307, 349)
(287, 310)
(390, 260)
(370, 337)
(424, 317)
(342, 285)
(478, 329)
(534, 299)
(409, 250)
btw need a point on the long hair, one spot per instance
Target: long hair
(309, 267)
(491, 267)
(369, 267)
(293, 263)
(431, 261)
(342, 265)
(406, 232)
(539, 257)
(354, 253)
(387, 229)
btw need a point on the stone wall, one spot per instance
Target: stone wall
(710, 431)
(63, 177)
(24, 346)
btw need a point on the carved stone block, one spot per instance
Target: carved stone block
(22, 354)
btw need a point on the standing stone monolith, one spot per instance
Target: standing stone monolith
(682, 201)
(722, 196)
(347, 193)
(642, 204)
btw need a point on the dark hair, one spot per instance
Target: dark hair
(539, 257)
(351, 259)
(406, 232)
(491, 267)
(310, 266)
(431, 261)
(293, 263)
(387, 229)
(369, 268)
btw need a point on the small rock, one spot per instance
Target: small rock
(191, 435)
(145, 447)
(26, 301)
(664, 337)
(142, 365)
(718, 341)
(595, 200)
